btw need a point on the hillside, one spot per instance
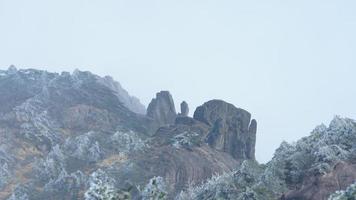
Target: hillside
(81, 136)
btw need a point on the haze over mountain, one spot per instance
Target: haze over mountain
(291, 63)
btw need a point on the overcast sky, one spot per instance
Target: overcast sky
(292, 64)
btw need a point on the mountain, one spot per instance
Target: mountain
(81, 136)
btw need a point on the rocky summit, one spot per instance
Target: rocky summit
(81, 136)
(232, 130)
(161, 109)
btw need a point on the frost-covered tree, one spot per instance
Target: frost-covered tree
(155, 189)
(348, 194)
(20, 193)
(232, 185)
(101, 188)
(127, 141)
(4, 174)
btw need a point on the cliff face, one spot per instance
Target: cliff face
(232, 129)
(162, 109)
(63, 134)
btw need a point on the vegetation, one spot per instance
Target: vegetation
(348, 194)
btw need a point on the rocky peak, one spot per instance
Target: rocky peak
(184, 109)
(232, 129)
(130, 102)
(161, 109)
(32, 82)
(12, 69)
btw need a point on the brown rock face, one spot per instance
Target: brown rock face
(179, 153)
(232, 130)
(161, 109)
(321, 187)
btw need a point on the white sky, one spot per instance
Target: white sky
(292, 64)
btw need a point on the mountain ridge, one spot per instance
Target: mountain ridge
(62, 131)
(81, 136)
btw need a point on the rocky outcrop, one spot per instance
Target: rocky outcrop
(251, 141)
(321, 187)
(181, 155)
(130, 102)
(232, 130)
(12, 69)
(184, 109)
(161, 109)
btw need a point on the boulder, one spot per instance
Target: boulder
(161, 109)
(12, 69)
(231, 128)
(184, 109)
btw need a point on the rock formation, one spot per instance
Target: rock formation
(162, 109)
(184, 109)
(251, 141)
(12, 69)
(232, 130)
(130, 102)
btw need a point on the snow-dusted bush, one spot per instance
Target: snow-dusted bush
(20, 193)
(317, 153)
(348, 194)
(51, 166)
(36, 123)
(232, 185)
(4, 174)
(186, 139)
(214, 188)
(83, 147)
(127, 141)
(272, 180)
(101, 187)
(248, 194)
(156, 189)
(67, 182)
